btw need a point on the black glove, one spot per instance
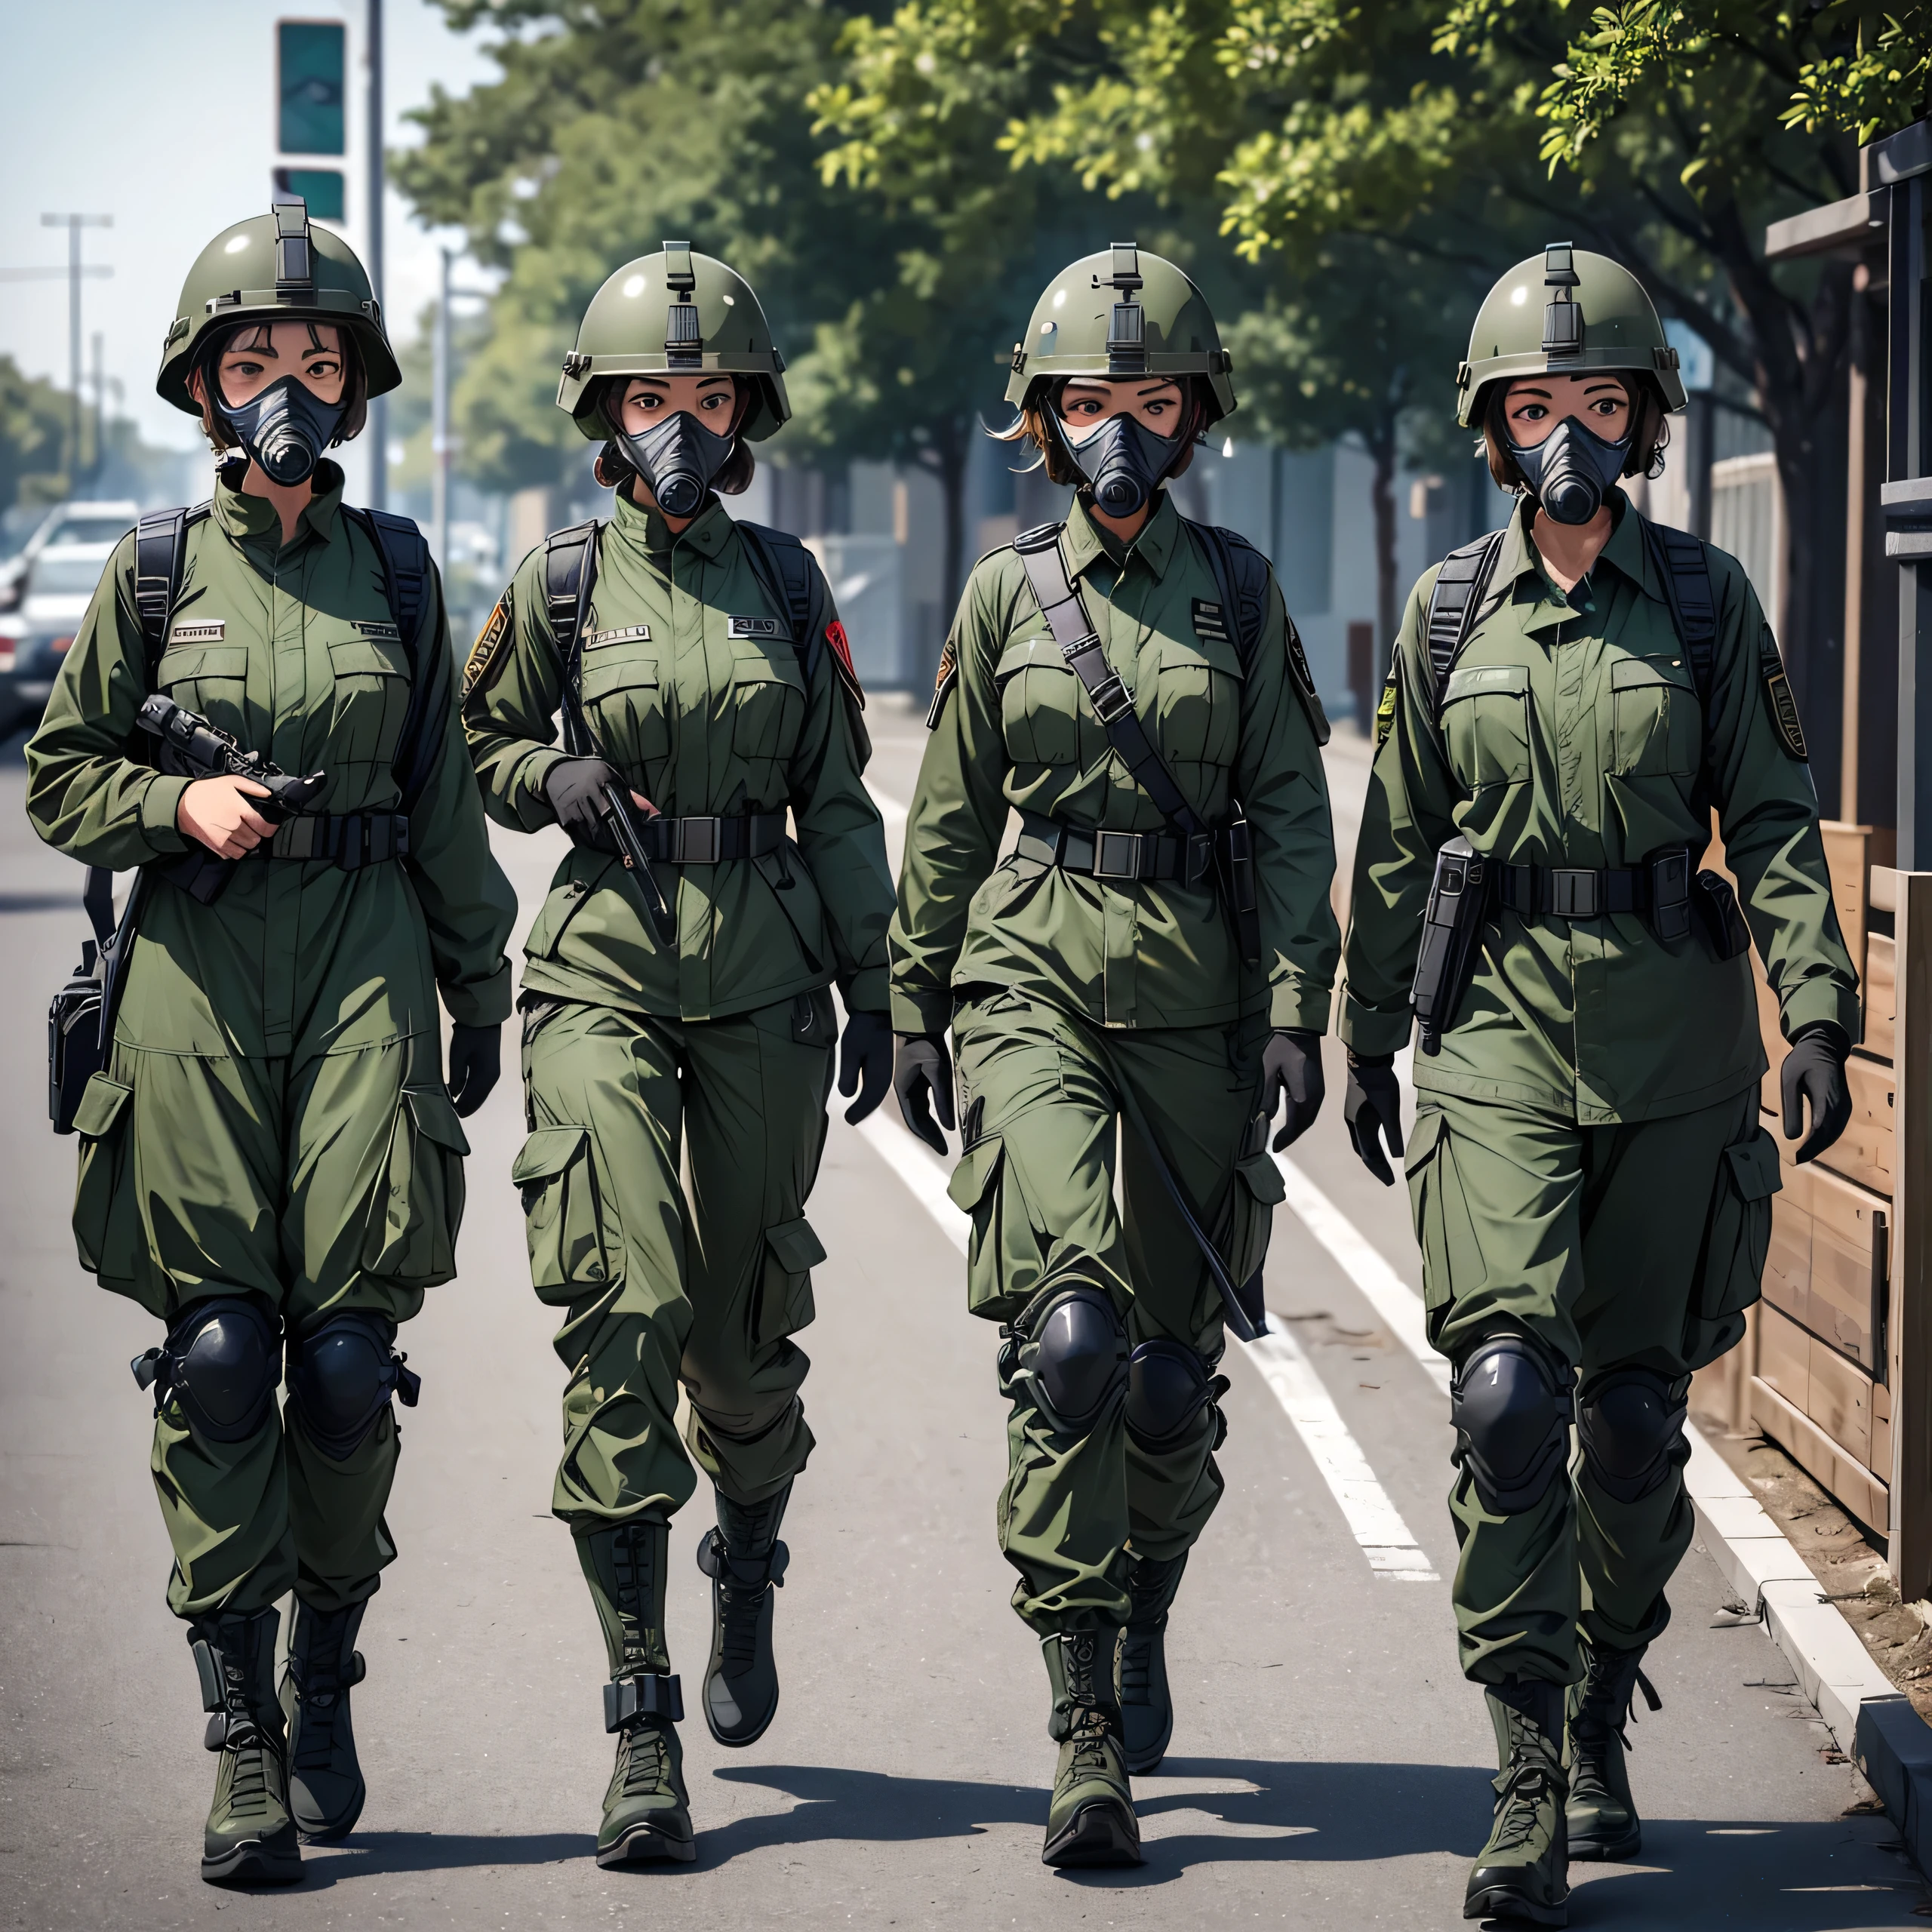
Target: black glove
(1291, 1069)
(476, 1061)
(1814, 1071)
(922, 1069)
(575, 789)
(1372, 1105)
(864, 1055)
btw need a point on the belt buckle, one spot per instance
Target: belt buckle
(355, 851)
(1573, 892)
(697, 847)
(1128, 844)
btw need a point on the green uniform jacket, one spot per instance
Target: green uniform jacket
(292, 648)
(1018, 730)
(699, 722)
(1570, 735)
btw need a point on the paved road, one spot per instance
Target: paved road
(1329, 1767)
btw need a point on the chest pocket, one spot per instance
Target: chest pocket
(1039, 703)
(211, 678)
(1196, 713)
(1656, 724)
(767, 705)
(1486, 720)
(371, 699)
(626, 701)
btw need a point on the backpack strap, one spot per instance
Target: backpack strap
(783, 568)
(161, 553)
(570, 574)
(1455, 602)
(1241, 576)
(405, 554)
(1684, 567)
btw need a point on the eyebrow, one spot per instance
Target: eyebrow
(664, 382)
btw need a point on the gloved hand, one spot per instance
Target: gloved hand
(1814, 1071)
(1291, 1070)
(864, 1055)
(575, 789)
(1372, 1106)
(476, 1062)
(922, 1072)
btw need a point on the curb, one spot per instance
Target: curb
(1872, 1722)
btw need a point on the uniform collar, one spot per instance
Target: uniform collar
(1086, 544)
(1521, 569)
(253, 519)
(706, 532)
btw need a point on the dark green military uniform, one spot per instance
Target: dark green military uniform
(1587, 1169)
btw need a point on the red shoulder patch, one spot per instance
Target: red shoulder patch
(841, 652)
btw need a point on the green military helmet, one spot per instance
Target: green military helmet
(1123, 313)
(672, 313)
(274, 267)
(1596, 316)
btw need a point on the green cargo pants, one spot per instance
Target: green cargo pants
(1635, 1245)
(319, 1185)
(1043, 1092)
(655, 1288)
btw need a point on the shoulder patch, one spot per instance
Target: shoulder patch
(488, 648)
(841, 659)
(1304, 680)
(1784, 711)
(1385, 711)
(948, 675)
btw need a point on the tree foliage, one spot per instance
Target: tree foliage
(33, 430)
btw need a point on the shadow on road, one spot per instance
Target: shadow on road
(373, 1854)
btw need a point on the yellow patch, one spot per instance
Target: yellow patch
(488, 646)
(1384, 713)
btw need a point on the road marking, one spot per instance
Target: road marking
(1392, 1297)
(1373, 1520)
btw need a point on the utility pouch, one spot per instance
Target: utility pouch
(1451, 934)
(78, 1036)
(1234, 853)
(1718, 917)
(1670, 894)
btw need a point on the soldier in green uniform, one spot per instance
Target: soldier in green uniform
(270, 1160)
(1571, 698)
(706, 688)
(1153, 958)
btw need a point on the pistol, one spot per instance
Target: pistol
(191, 745)
(637, 867)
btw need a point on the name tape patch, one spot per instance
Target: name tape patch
(739, 627)
(1210, 622)
(210, 630)
(627, 634)
(388, 631)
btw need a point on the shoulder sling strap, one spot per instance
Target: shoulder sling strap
(570, 572)
(783, 568)
(405, 554)
(1454, 604)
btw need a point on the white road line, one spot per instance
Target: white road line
(1373, 1520)
(889, 810)
(1392, 1297)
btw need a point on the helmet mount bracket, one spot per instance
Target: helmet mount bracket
(295, 258)
(1127, 321)
(1562, 317)
(683, 341)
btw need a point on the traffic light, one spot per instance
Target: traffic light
(310, 88)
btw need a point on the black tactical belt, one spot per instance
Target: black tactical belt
(1134, 856)
(350, 840)
(1661, 885)
(709, 841)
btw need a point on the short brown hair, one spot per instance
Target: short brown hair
(1030, 425)
(613, 469)
(1648, 442)
(355, 387)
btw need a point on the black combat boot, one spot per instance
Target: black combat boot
(251, 1838)
(325, 1787)
(1091, 1820)
(1140, 1670)
(647, 1811)
(1602, 1818)
(1523, 1872)
(745, 1563)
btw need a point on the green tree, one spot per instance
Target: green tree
(33, 428)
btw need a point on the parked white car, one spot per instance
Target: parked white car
(34, 636)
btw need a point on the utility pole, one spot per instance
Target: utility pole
(73, 224)
(439, 429)
(379, 414)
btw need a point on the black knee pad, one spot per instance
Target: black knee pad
(1511, 1402)
(221, 1362)
(341, 1377)
(1074, 1351)
(1168, 1385)
(1631, 1423)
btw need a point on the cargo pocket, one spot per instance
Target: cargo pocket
(792, 1250)
(419, 1201)
(562, 1214)
(1258, 1191)
(1737, 1237)
(1435, 1200)
(1002, 1256)
(107, 1214)
(1486, 720)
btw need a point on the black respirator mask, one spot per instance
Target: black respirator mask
(1572, 470)
(285, 429)
(677, 460)
(1122, 462)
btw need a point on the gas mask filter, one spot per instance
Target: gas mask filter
(285, 429)
(677, 460)
(1571, 470)
(1122, 462)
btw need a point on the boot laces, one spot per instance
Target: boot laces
(1608, 1707)
(1530, 1784)
(1136, 1665)
(740, 1605)
(1088, 1737)
(252, 1748)
(647, 1760)
(320, 1681)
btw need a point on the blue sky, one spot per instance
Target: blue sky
(161, 114)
